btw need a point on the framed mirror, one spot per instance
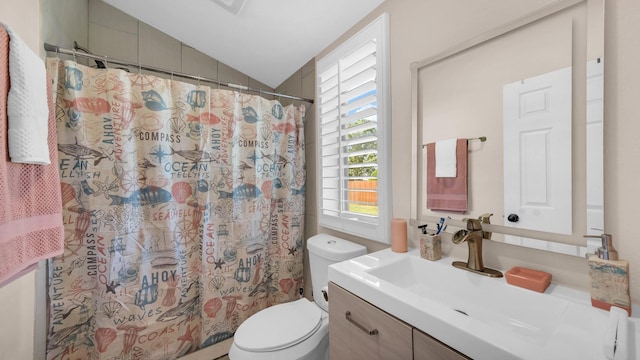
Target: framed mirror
(533, 88)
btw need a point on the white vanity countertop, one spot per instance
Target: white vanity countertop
(482, 317)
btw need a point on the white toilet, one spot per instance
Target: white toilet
(297, 329)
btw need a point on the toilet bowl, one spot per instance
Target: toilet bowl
(298, 329)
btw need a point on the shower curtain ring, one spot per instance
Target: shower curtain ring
(106, 63)
(74, 56)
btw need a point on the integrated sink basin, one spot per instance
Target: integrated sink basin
(511, 309)
(482, 317)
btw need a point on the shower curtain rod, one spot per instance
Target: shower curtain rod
(55, 48)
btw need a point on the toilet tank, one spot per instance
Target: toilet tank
(325, 250)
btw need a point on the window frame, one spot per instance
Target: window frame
(346, 222)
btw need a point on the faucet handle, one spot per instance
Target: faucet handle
(485, 218)
(473, 224)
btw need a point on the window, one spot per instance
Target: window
(354, 132)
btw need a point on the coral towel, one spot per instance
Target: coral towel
(30, 202)
(448, 193)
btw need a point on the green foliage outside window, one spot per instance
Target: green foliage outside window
(370, 171)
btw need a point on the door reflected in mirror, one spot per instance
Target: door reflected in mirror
(537, 152)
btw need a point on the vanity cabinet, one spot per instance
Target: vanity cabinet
(427, 348)
(359, 330)
(349, 335)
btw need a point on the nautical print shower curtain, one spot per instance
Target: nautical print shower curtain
(183, 213)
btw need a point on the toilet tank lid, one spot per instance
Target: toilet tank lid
(334, 248)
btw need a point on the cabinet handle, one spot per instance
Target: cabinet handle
(360, 326)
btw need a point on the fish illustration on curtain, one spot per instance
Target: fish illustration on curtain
(183, 212)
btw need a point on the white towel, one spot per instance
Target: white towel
(27, 108)
(446, 163)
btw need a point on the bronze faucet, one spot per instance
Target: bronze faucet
(473, 236)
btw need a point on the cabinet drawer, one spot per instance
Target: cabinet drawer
(427, 348)
(349, 335)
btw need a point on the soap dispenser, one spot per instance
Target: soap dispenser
(607, 251)
(609, 276)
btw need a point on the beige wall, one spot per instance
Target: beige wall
(621, 129)
(64, 22)
(423, 28)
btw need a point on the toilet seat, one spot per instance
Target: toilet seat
(278, 327)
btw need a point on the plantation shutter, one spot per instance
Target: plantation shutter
(350, 127)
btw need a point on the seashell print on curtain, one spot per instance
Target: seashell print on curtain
(183, 212)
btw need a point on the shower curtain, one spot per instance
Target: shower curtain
(183, 212)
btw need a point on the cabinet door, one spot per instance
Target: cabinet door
(366, 332)
(427, 348)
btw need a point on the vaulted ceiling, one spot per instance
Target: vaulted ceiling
(267, 40)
